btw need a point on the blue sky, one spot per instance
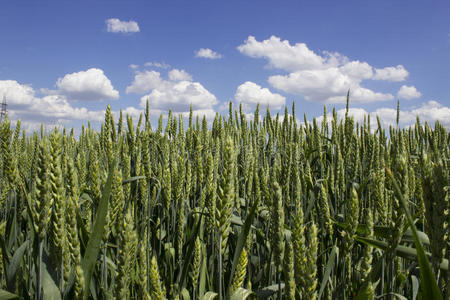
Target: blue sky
(62, 62)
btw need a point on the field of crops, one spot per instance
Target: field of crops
(239, 209)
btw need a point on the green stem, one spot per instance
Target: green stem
(39, 269)
(220, 267)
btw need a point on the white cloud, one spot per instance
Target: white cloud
(326, 85)
(156, 64)
(144, 82)
(397, 73)
(133, 66)
(178, 75)
(250, 94)
(52, 109)
(208, 113)
(357, 70)
(116, 25)
(176, 93)
(16, 93)
(282, 55)
(430, 112)
(324, 77)
(361, 95)
(89, 85)
(207, 53)
(58, 107)
(155, 113)
(178, 96)
(408, 92)
(131, 111)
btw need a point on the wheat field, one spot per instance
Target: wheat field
(261, 208)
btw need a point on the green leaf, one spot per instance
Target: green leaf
(15, 262)
(93, 246)
(242, 294)
(240, 244)
(84, 198)
(268, 291)
(428, 284)
(330, 266)
(402, 251)
(236, 220)
(12, 233)
(189, 253)
(385, 232)
(209, 295)
(131, 179)
(409, 237)
(185, 294)
(415, 287)
(50, 290)
(202, 283)
(398, 296)
(4, 295)
(29, 206)
(93, 289)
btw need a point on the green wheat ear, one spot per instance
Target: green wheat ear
(196, 262)
(325, 210)
(44, 201)
(288, 269)
(156, 289)
(225, 195)
(241, 271)
(307, 212)
(277, 226)
(311, 267)
(299, 250)
(143, 275)
(126, 257)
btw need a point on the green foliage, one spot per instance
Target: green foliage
(242, 209)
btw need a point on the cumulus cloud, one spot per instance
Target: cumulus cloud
(144, 82)
(430, 112)
(178, 75)
(408, 92)
(91, 85)
(132, 111)
(54, 109)
(178, 92)
(357, 70)
(282, 55)
(133, 66)
(207, 53)
(250, 94)
(116, 25)
(322, 77)
(208, 113)
(178, 96)
(397, 73)
(16, 94)
(326, 85)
